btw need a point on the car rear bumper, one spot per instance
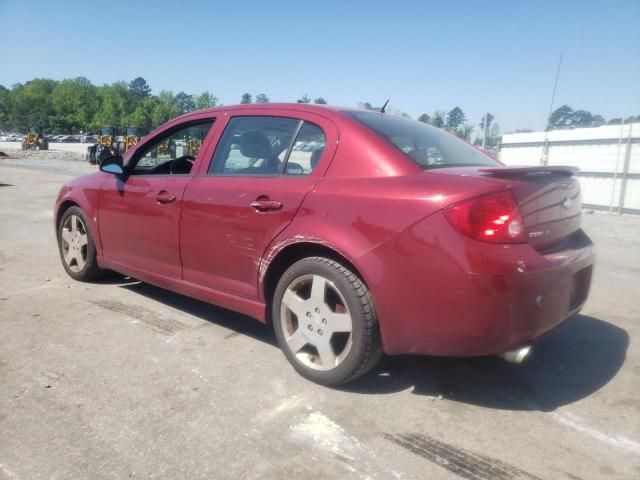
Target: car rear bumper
(438, 292)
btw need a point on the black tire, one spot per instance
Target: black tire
(91, 154)
(90, 270)
(366, 347)
(102, 154)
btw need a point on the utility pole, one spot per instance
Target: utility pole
(615, 170)
(484, 130)
(625, 171)
(544, 159)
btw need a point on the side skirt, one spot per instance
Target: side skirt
(246, 306)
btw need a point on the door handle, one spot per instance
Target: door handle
(165, 197)
(264, 205)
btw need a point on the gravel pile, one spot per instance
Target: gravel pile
(49, 160)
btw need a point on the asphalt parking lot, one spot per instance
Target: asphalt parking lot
(121, 379)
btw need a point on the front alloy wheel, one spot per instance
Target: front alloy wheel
(77, 250)
(74, 243)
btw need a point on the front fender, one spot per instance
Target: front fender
(85, 193)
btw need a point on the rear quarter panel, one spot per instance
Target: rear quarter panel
(353, 216)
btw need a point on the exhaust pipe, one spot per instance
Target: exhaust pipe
(517, 355)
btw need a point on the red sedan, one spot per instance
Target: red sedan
(353, 232)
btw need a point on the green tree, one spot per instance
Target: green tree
(424, 118)
(562, 117)
(304, 99)
(246, 98)
(455, 118)
(165, 109)
(206, 100)
(437, 119)
(31, 104)
(185, 102)
(140, 87)
(114, 105)
(581, 118)
(75, 103)
(465, 131)
(262, 98)
(494, 135)
(490, 118)
(142, 116)
(5, 108)
(320, 101)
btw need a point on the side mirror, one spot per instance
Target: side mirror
(112, 164)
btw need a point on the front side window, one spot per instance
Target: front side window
(173, 153)
(426, 146)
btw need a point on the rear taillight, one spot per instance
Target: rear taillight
(491, 218)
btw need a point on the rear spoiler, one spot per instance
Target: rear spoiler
(525, 171)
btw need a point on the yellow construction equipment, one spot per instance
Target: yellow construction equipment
(34, 140)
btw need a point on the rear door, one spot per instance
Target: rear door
(261, 169)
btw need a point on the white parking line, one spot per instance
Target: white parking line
(575, 422)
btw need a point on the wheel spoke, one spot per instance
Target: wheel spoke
(80, 261)
(66, 235)
(294, 303)
(296, 341)
(318, 286)
(327, 357)
(339, 322)
(74, 224)
(82, 240)
(68, 257)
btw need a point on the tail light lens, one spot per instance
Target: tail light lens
(493, 218)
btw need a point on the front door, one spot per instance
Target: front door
(139, 213)
(262, 168)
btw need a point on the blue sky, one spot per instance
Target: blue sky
(483, 56)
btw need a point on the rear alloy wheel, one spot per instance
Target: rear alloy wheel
(325, 321)
(77, 250)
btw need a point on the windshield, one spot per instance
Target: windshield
(426, 146)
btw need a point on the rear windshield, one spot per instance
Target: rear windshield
(426, 146)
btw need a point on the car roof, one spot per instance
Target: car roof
(324, 110)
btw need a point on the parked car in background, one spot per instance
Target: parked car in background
(12, 137)
(68, 139)
(398, 238)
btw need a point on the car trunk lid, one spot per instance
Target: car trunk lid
(548, 198)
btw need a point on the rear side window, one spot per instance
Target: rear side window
(254, 146)
(307, 150)
(426, 146)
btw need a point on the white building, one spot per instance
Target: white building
(608, 158)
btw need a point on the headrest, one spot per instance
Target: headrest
(315, 157)
(255, 144)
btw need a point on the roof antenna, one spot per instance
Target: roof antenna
(384, 106)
